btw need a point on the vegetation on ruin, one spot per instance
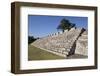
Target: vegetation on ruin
(65, 25)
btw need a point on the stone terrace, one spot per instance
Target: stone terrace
(65, 44)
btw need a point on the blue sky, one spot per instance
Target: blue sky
(40, 26)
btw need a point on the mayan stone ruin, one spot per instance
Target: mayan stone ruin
(67, 43)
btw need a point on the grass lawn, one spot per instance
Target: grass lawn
(35, 53)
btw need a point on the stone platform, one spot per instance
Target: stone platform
(65, 44)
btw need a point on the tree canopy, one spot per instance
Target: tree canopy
(31, 39)
(65, 24)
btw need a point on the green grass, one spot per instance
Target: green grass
(35, 53)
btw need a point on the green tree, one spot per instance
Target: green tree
(31, 39)
(65, 24)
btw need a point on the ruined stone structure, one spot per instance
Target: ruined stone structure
(65, 44)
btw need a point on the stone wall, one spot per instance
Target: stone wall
(66, 43)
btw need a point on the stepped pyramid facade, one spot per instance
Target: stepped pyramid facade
(74, 41)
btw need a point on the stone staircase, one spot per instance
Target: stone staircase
(82, 44)
(63, 44)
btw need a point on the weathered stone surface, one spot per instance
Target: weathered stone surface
(66, 43)
(82, 45)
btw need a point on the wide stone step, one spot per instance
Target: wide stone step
(83, 43)
(85, 33)
(83, 39)
(60, 50)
